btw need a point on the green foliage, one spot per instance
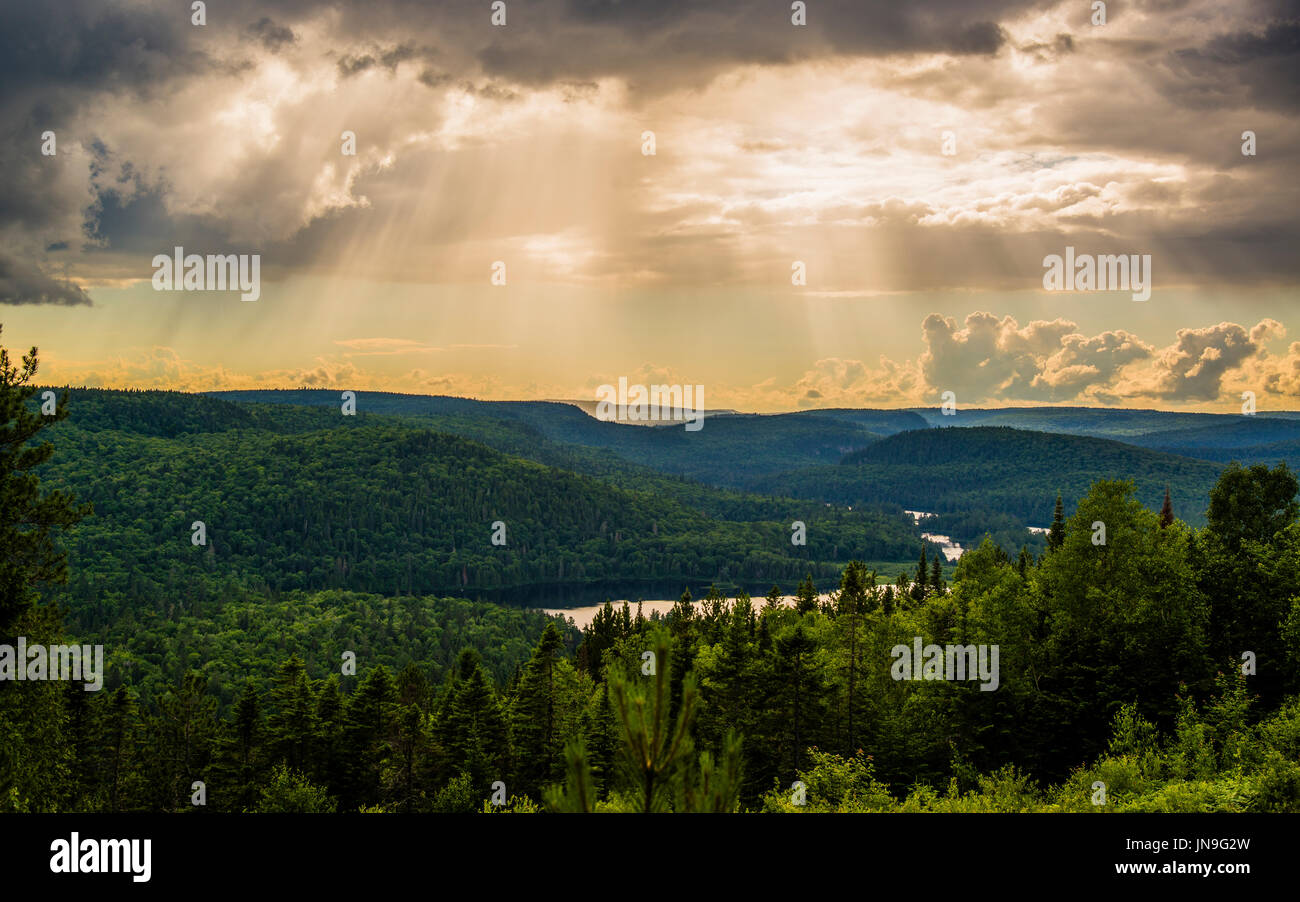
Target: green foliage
(289, 792)
(1120, 662)
(659, 768)
(998, 470)
(28, 517)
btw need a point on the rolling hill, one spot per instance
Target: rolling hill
(999, 470)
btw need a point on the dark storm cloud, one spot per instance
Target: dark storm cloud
(272, 36)
(137, 222)
(388, 58)
(673, 42)
(59, 62)
(53, 57)
(1264, 66)
(24, 284)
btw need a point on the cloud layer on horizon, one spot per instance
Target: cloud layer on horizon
(984, 360)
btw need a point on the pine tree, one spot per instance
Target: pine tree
(605, 629)
(238, 757)
(773, 599)
(479, 732)
(657, 753)
(291, 725)
(410, 751)
(368, 733)
(1166, 511)
(117, 742)
(799, 695)
(713, 614)
(27, 518)
(533, 729)
(602, 739)
(1056, 535)
(936, 574)
(183, 735)
(727, 693)
(328, 763)
(806, 596)
(848, 621)
(922, 575)
(902, 587)
(682, 616)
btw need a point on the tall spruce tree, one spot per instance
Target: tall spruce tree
(291, 725)
(853, 601)
(534, 732)
(479, 731)
(806, 596)
(798, 694)
(922, 576)
(1056, 535)
(369, 718)
(239, 755)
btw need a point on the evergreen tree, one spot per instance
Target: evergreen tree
(853, 600)
(1023, 561)
(773, 598)
(798, 693)
(369, 726)
(291, 725)
(681, 619)
(659, 764)
(533, 728)
(713, 615)
(922, 575)
(238, 755)
(181, 746)
(28, 519)
(406, 786)
(329, 764)
(726, 691)
(602, 739)
(479, 735)
(605, 629)
(1056, 535)
(118, 737)
(806, 596)
(1166, 511)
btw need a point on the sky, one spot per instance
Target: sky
(917, 162)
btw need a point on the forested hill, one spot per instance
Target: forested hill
(1125, 424)
(1000, 470)
(1258, 439)
(730, 450)
(371, 505)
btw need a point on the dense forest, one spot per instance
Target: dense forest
(995, 470)
(293, 499)
(253, 674)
